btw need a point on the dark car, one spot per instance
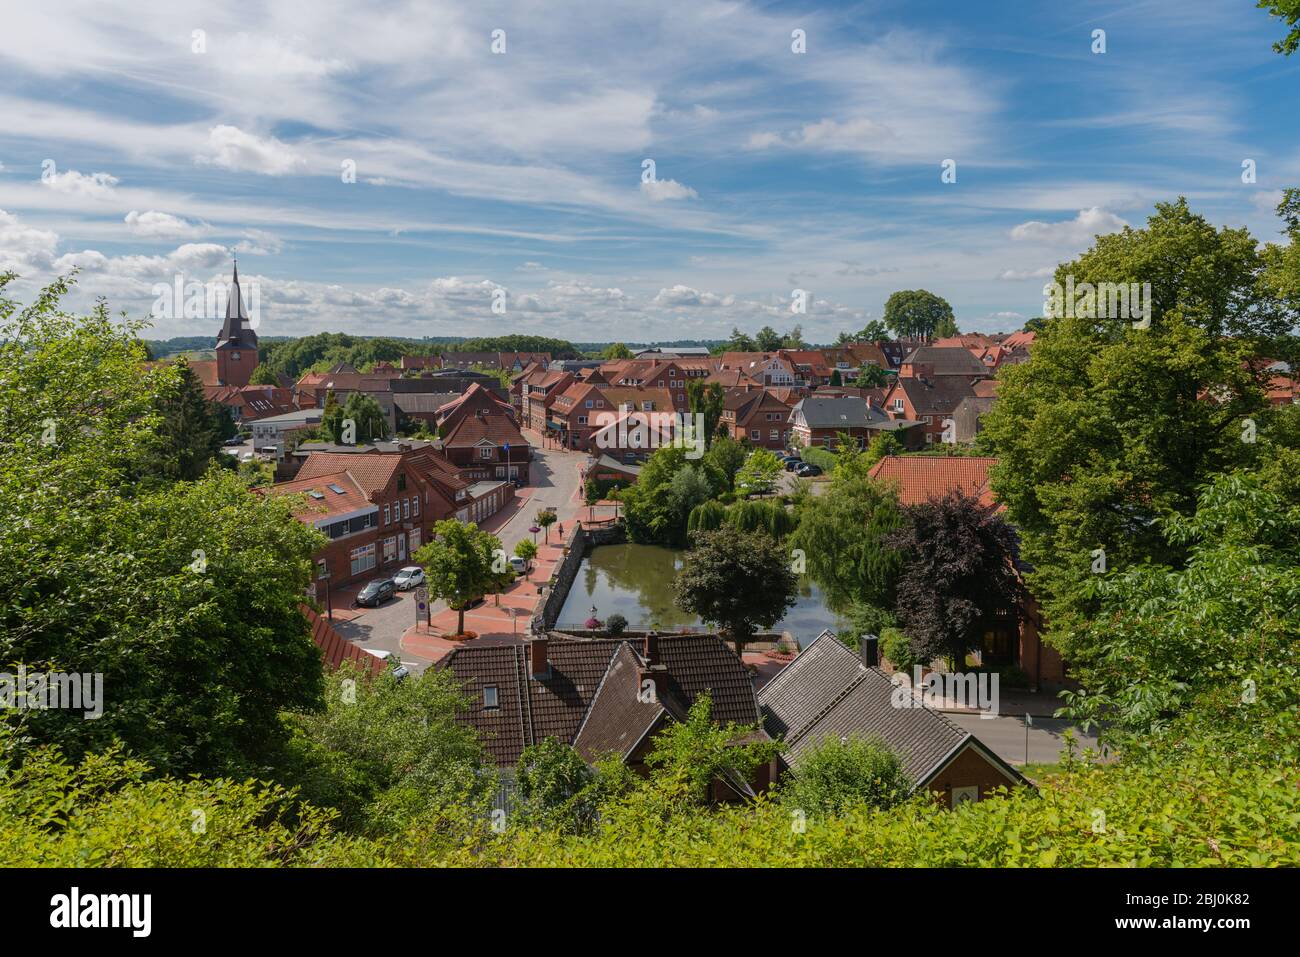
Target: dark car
(793, 463)
(233, 441)
(808, 470)
(376, 592)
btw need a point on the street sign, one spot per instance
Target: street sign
(421, 594)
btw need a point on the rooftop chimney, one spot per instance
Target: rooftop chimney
(652, 649)
(869, 647)
(538, 666)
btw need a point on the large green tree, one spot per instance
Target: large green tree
(462, 563)
(737, 580)
(1110, 426)
(184, 597)
(916, 313)
(190, 428)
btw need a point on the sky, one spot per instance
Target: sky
(387, 168)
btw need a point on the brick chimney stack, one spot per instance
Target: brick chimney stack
(869, 648)
(538, 665)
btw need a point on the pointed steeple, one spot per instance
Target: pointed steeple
(236, 327)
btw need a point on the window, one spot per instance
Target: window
(775, 435)
(647, 406)
(582, 420)
(929, 437)
(490, 699)
(755, 434)
(600, 403)
(485, 452)
(501, 471)
(898, 405)
(589, 403)
(322, 568)
(661, 383)
(363, 558)
(390, 549)
(415, 506)
(401, 481)
(965, 795)
(406, 508)
(387, 517)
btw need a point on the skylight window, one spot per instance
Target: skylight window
(335, 489)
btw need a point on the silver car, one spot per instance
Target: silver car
(412, 576)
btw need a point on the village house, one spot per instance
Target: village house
(591, 694)
(818, 422)
(758, 416)
(582, 408)
(1013, 638)
(486, 446)
(538, 390)
(830, 693)
(507, 361)
(765, 368)
(932, 401)
(281, 432)
(932, 362)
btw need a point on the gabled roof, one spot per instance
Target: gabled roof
(935, 396)
(498, 429)
(559, 704)
(846, 413)
(947, 361)
(827, 692)
(336, 649)
(923, 477)
(321, 499)
(372, 472)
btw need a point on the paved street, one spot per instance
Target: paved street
(1006, 736)
(555, 483)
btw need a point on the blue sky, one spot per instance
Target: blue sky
(522, 170)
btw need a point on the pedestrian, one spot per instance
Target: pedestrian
(561, 527)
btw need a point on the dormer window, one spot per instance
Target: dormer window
(491, 699)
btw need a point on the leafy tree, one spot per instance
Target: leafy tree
(546, 518)
(768, 515)
(871, 377)
(460, 565)
(560, 792)
(616, 351)
(759, 473)
(739, 342)
(844, 537)
(767, 340)
(190, 429)
(385, 751)
(263, 375)
(916, 313)
(726, 456)
(958, 572)
(706, 399)
(736, 580)
(670, 485)
(794, 339)
(1288, 11)
(895, 646)
(615, 624)
(184, 597)
(331, 418)
(837, 776)
(706, 516)
(1108, 427)
(371, 424)
(1210, 644)
(688, 756)
(836, 379)
(527, 550)
(945, 327)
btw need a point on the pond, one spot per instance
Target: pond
(636, 581)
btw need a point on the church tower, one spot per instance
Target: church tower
(237, 343)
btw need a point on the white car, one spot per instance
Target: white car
(412, 576)
(518, 564)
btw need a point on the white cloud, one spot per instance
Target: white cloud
(233, 149)
(1016, 275)
(663, 189)
(153, 224)
(25, 249)
(258, 242)
(1075, 233)
(680, 295)
(72, 183)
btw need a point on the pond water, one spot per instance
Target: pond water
(636, 581)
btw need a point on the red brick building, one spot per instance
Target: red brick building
(487, 445)
(758, 416)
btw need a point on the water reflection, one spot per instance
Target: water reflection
(636, 582)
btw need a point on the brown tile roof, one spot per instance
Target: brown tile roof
(336, 649)
(557, 704)
(937, 396)
(499, 429)
(923, 477)
(325, 501)
(372, 471)
(947, 361)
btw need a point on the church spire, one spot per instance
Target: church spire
(237, 327)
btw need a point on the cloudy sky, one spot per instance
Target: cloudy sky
(140, 151)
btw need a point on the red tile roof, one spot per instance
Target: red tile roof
(335, 648)
(923, 477)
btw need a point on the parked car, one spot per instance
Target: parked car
(808, 470)
(518, 564)
(236, 440)
(793, 463)
(400, 672)
(377, 592)
(246, 457)
(412, 576)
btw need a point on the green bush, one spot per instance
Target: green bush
(839, 775)
(824, 460)
(615, 625)
(896, 647)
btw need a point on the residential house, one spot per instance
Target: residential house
(757, 415)
(508, 361)
(605, 697)
(487, 446)
(930, 362)
(765, 368)
(968, 418)
(1013, 638)
(472, 401)
(582, 408)
(281, 432)
(420, 407)
(538, 391)
(931, 401)
(830, 693)
(819, 422)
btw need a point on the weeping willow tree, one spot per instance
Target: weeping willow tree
(769, 516)
(706, 516)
